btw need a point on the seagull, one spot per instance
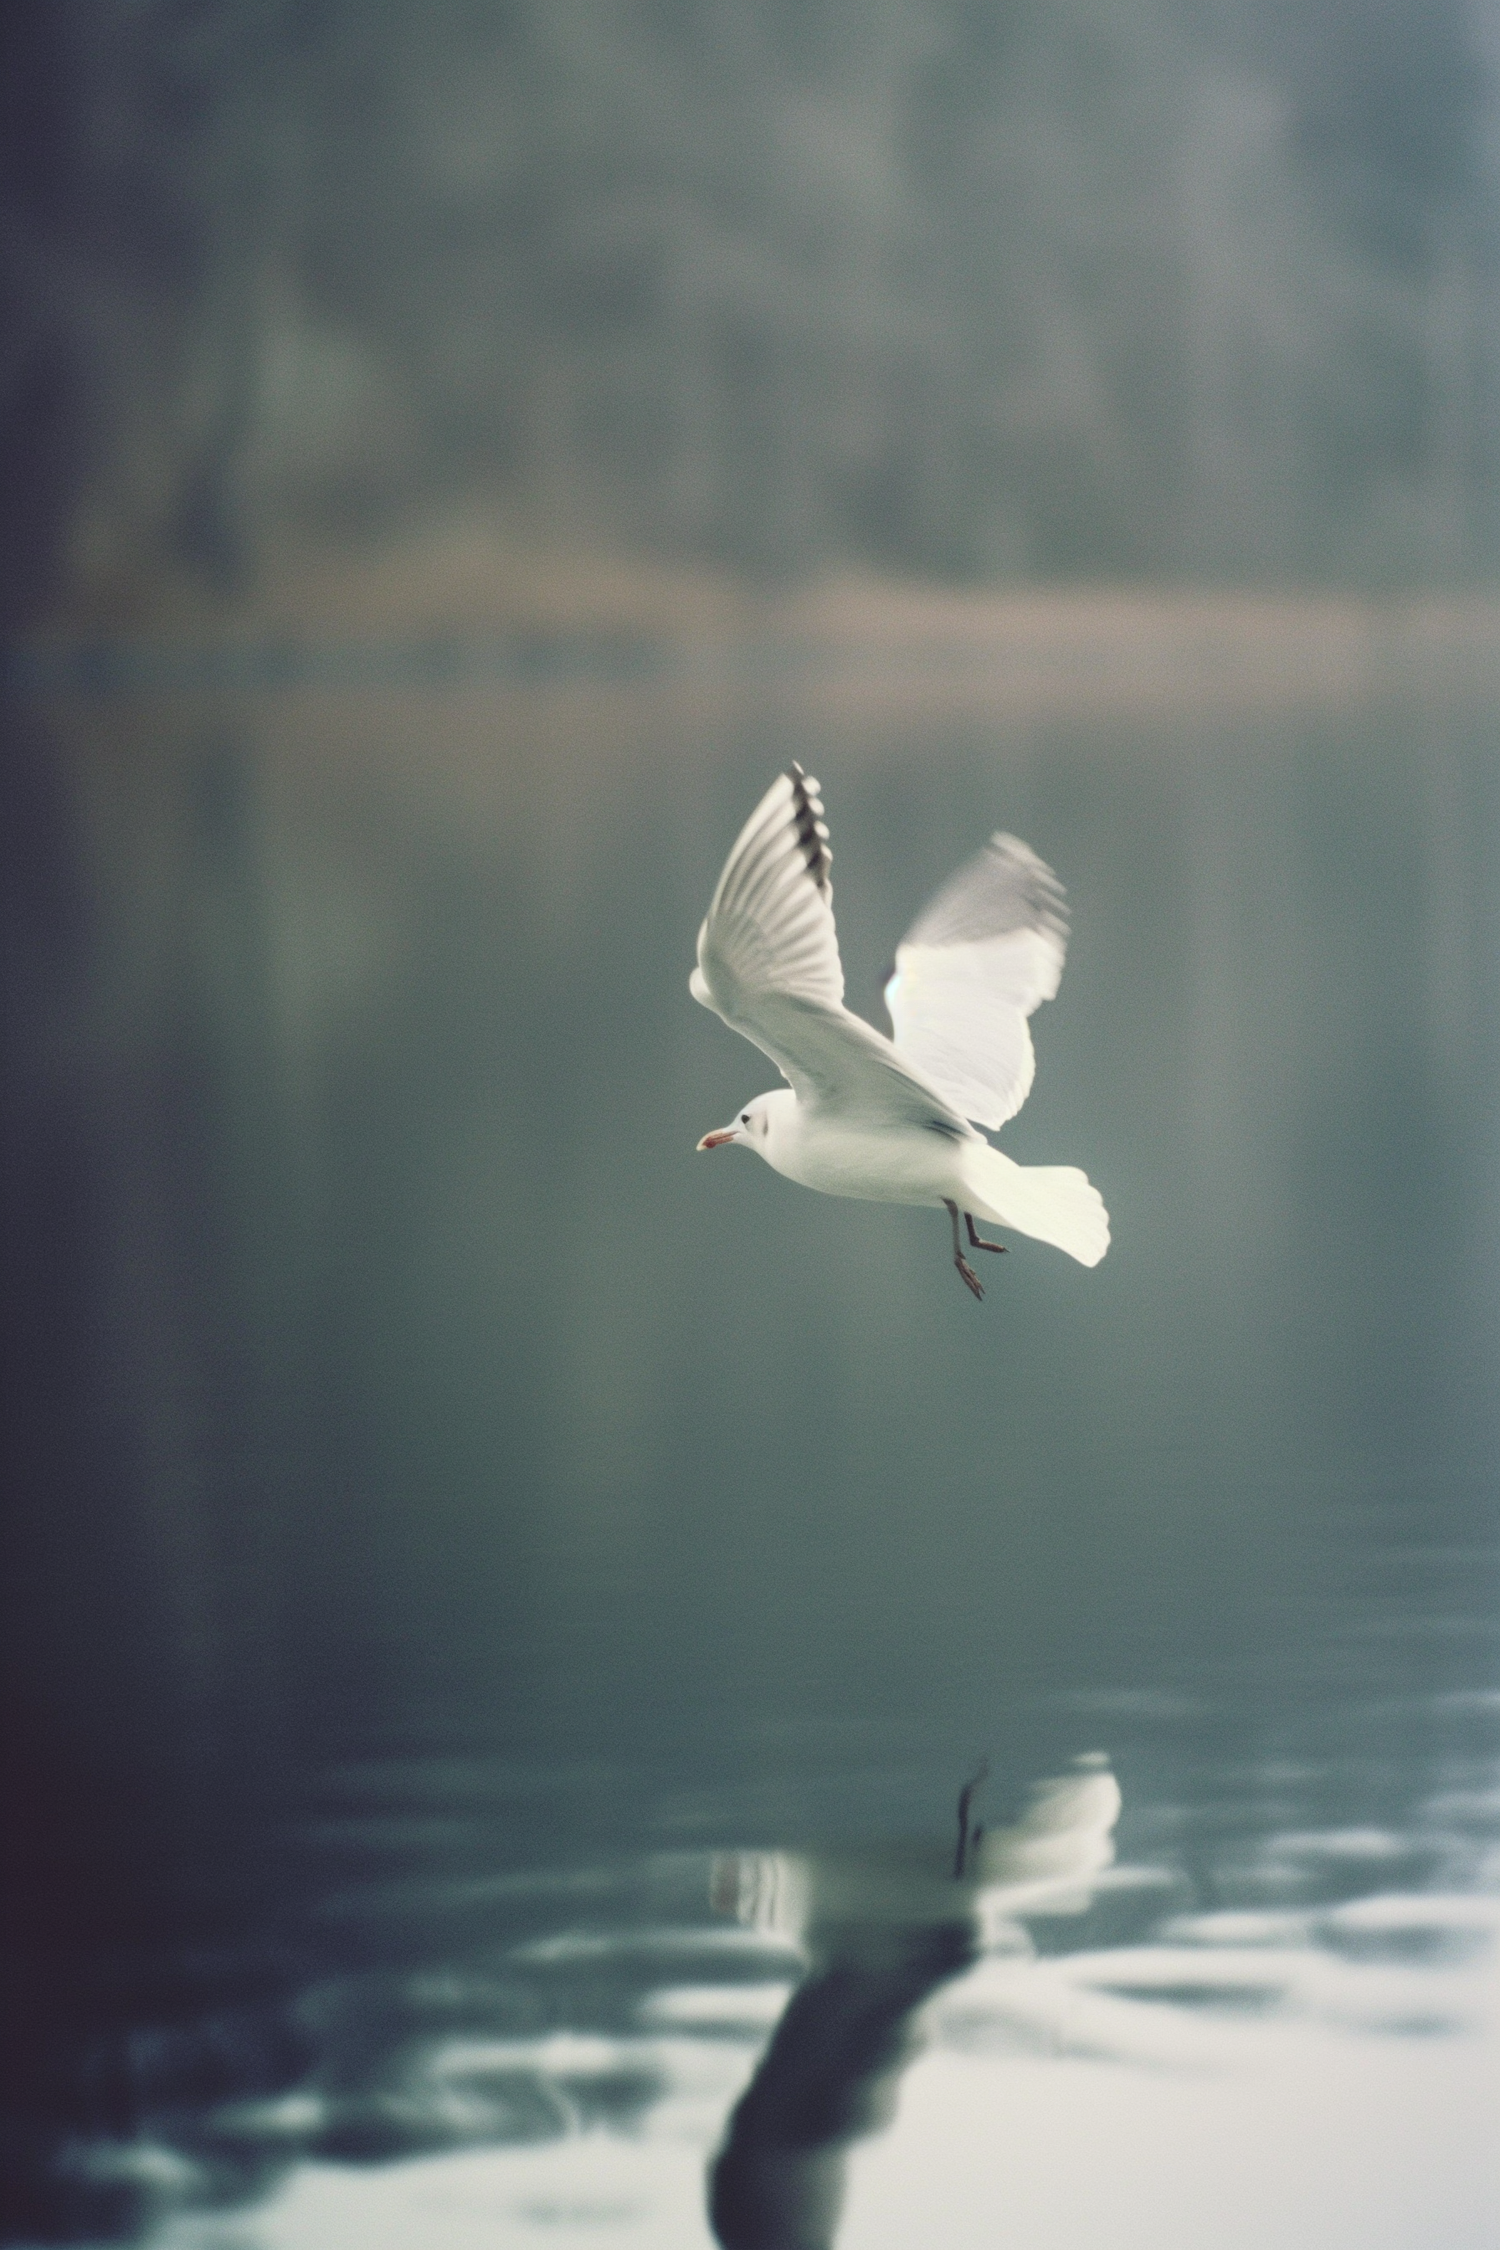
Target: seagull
(894, 1120)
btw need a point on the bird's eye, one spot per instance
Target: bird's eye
(745, 1119)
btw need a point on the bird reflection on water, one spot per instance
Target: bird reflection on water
(881, 1933)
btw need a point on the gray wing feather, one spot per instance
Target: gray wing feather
(768, 963)
(769, 928)
(982, 954)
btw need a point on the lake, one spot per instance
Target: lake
(509, 1607)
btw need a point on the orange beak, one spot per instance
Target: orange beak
(720, 1139)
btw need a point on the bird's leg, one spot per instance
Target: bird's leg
(971, 1278)
(968, 1838)
(977, 1243)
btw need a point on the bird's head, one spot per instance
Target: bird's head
(751, 1127)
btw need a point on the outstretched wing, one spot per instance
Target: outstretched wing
(768, 963)
(981, 955)
(770, 928)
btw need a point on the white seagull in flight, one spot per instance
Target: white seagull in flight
(888, 1120)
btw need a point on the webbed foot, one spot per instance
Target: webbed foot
(969, 1276)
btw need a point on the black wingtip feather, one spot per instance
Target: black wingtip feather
(812, 835)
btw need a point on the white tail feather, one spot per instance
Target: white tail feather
(1056, 1203)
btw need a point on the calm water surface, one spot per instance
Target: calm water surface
(523, 1600)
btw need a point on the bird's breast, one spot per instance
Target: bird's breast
(907, 1165)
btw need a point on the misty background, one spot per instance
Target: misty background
(1148, 290)
(452, 455)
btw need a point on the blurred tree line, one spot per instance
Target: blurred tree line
(975, 288)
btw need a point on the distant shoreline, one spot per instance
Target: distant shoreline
(1036, 653)
(463, 607)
